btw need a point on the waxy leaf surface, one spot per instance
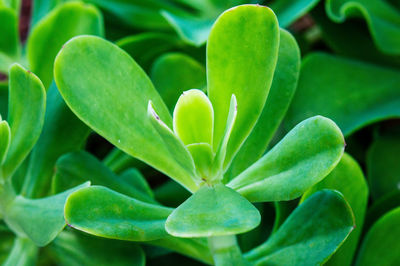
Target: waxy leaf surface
(301, 159)
(242, 52)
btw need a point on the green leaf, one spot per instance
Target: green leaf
(203, 156)
(9, 41)
(288, 11)
(174, 73)
(307, 154)
(282, 90)
(383, 20)
(373, 88)
(77, 167)
(74, 249)
(381, 245)
(213, 211)
(133, 177)
(242, 52)
(24, 117)
(39, 219)
(146, 47)
(24, 252)
(383, 167)
(5, 138)
(114, 215)
(62, 132)
(193, 118)
(311, 234)
(60, 25)
(348, 179)
(192, 29)
(120, 114)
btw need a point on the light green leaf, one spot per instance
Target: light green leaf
(24, 117)
(39, 219)
(73, 249)
(348, 179)
(307, 154)
(203, 156)
(213, 211)
(242, 52)
(383, 166)
(24, 253)
(381, 245)
(62, 132)
(77, 167)
(383, 20)
(5, 138)
(114, 215)
(282, 89)
(311, 234)
(174, 73)
(193, 118)
(121, 91)
(60, 25)
(375, 90)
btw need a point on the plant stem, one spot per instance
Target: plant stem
(225, 251)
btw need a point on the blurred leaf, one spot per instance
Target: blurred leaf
(357, 94)
(114, 215)
(288, 11)
(9, 41)
(242, 53)
(348, 179)
(282, 89)
(24, 117)
(174, 73)
(48, 35)
(213, 211)
(383, 20)
(62, 132)
(314, 231)
(301, 159)
(39, 219)
(171, 194)
(74, 249)
(5, 137)
(24, 253)
(105, 66)
(383, 167)
(381, 245)
(77, 167)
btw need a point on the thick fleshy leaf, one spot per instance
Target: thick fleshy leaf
(114, 215)
(3, 99)
(242, 52)
(193, 118)
(62, 132)
(375, 90)
(5, 137)
(73, 249)
(121, 91)
(381, 245)
(288, 11)
(383, 20)
(380, 207)
(213, 211)
(203, 156)
(174, 73)
(383, 166)
(145, 47)
(48, 36)
(133, 177)
(307, 154)
(24, 252)
(77, 167)
(279, 97)
(40, 8)
(310, 234)
(41, 220)
(348, 179)
(24, 117)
